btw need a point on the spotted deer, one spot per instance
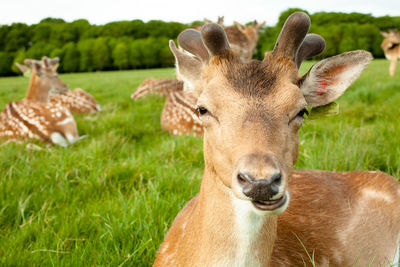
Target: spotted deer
(391, 48)
(77, 100)
(251, 113)
(177, 116)
(35, 117)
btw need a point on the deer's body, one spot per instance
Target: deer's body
(35, 117)
(331, 230)
(77, 101)
(391, 47)
(353, 222)
(177, 116)
(253, 209)
(46, 122)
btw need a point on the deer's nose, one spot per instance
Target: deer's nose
(263, 189)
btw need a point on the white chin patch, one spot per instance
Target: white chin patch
(58, 139)
(273, 212)
(246, 205)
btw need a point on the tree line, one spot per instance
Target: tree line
(136, 44)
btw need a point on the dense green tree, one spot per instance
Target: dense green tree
(85, 48)
(6, 61)
(17, 37)
(19, 57)
(135, 55)
(121, 56)
(101, 54)
(70, 60)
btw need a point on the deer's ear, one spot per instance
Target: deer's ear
(21, 67)
(37, 67)
(328, 79)
(188, 67)
(385, 34)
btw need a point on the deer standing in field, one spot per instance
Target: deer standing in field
(391, 48)
(177, 115)
(77, 100)
(251, 113)
(35, 117)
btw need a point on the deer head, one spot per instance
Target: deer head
(392, 39)
(252, 112)
(43, 78)
(251, 31)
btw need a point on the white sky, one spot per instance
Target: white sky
(101, 12)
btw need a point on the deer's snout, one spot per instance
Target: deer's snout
(260, 189)
(259, 177)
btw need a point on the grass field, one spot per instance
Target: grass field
(110, 199)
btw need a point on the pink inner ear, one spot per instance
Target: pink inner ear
(323, 87)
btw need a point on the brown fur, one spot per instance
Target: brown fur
(320, 216)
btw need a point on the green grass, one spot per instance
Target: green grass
(110, 199)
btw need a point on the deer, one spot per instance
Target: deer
(35, 117)
(391, 47)
(177, 116)
(243, 39)
(77, 101)
(253, 208)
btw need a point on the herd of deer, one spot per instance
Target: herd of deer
(253, 208)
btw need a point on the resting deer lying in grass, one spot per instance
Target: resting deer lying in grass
(35, 117)
(78, 101)
(391, 48)
(177, 116)
(251, 114)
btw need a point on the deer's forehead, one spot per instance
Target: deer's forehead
(255, 79)
(254, 84)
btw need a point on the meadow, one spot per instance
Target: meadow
(109, 199)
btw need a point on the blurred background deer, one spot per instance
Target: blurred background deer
(77, 101)
(35, 117)
(391, 48)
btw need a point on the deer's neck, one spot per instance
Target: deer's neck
(241, 236)
(37, 91)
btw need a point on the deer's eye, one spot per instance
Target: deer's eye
(302, 112)
(200, 111)
(300, 115)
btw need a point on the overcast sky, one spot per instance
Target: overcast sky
(101, 12)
